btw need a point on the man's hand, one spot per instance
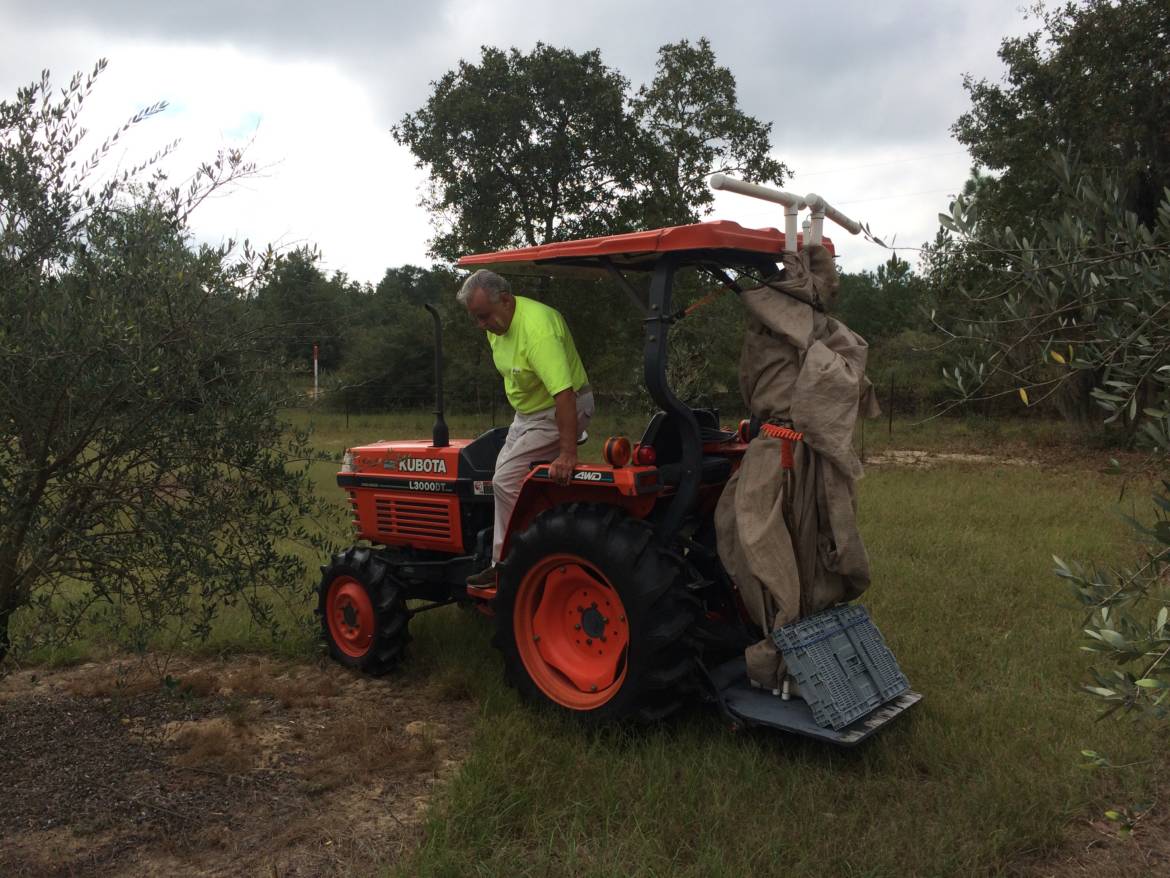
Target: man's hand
(561, 469)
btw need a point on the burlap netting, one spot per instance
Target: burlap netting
(802, 367)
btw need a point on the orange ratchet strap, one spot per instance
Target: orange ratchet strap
(787, 436)
(706, 300)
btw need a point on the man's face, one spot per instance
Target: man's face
(491, 316)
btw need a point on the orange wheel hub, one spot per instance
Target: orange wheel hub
(572, 632)
(350, 615)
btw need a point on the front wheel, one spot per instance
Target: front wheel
(592, 615)
(363, 613)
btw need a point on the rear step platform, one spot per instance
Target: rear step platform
(747, 706)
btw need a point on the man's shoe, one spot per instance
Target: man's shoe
(486, 578)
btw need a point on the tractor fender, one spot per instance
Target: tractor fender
(633, 489)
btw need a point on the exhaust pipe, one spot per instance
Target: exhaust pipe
(439, 435)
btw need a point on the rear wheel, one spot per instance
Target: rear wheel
(363, 612)
(592, 615)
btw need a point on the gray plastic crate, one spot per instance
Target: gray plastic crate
(841, 663)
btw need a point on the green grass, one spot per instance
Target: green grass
(974, 434)
(984, 773)
(330, 432)
(969, 434)
(981, 776)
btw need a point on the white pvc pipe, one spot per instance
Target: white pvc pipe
(818, 204)
(793, 204)
(779, 196)
(817, 227)
(791, 214)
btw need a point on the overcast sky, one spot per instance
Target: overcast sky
(868, 90)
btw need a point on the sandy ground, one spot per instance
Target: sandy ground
(241, 767)
(931, 459)
(1097, 849)
(251, 766)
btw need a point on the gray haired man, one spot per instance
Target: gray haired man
(545, 383)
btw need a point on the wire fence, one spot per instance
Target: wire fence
(900, 404)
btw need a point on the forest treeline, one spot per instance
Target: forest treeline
(375, 344)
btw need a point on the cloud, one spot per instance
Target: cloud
(882, 67)
(860, 94)
(290, 29)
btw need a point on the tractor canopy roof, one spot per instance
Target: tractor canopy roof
(722, 242)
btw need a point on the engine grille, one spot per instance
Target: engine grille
(412, 518)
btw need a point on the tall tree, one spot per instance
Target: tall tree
(1087, 93)
(880, 304)
(524, 148)
(527, 148)
(1092, 82)
(304, 308)
(389, 360)
(696, 127)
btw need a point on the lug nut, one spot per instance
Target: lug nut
(592, 688)
(577, 627)
(588, 641)
(536, 639)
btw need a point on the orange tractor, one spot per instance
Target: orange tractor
(611, 601)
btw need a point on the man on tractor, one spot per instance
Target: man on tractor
(619, 589)
(545, 383)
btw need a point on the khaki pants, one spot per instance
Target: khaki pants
(531, 438)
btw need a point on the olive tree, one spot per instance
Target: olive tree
(1090, 81)
(146, 478)
(1086, 292)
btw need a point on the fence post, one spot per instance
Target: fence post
(891, 428)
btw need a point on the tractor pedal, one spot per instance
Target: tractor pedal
(482, 593)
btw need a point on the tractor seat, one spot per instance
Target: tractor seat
(479, 455)
(714, 470)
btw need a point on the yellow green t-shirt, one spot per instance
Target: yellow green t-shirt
(537, 357)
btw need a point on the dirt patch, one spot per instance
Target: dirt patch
(242, 767)
(1095, 849)
(931, 459)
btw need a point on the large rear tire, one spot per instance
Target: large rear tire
(592, 616)
(363, 612)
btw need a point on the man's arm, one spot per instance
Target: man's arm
(561, 469)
